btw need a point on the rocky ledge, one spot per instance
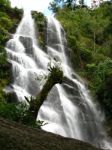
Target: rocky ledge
(14, 136)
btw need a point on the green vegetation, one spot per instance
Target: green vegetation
(55, 76)
(89, 36)
(9, 19)
(21, 112)
(27, 114)
(40, 22)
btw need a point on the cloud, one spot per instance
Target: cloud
(39, 5)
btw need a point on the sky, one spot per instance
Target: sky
(88, 2)
(39, 5)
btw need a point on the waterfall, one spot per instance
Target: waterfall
(69, 109)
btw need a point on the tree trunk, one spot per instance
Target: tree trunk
(55, 76)
(94, 43)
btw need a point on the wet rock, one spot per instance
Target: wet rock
(12, 97)
(10, 94)
(28, 44)
(11, 78)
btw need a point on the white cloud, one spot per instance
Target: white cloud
(39, 5)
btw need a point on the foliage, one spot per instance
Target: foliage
(55, 76)
(55, 5)
(11, 111)
(9, 19)
(40, 22)
(55, 72)
(5, 3)
(21, 112)
(18, 113)
(89, 36)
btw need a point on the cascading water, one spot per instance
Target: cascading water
(23, 55)
(68, 110)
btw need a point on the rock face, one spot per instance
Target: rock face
(14, 136)
(27, 42)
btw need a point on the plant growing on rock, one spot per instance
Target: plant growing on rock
(55, 76)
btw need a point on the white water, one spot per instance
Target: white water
(68, 110)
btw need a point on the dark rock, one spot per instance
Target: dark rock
(12, 97)
(10, 36)
(28, 44)
(10, 94)
(11, 78)
(14, 136)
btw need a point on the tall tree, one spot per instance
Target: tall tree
(56, 4)
(5, 2)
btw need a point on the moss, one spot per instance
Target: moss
(40, 22)
(9, 19)
(90, 41)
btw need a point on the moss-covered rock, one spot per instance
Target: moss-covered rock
(40, 22)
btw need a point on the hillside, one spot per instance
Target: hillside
(89, 36)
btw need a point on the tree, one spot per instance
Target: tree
(56, 4)
(81, 2)
(5, 3)
(55, 76)
(69, 3)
